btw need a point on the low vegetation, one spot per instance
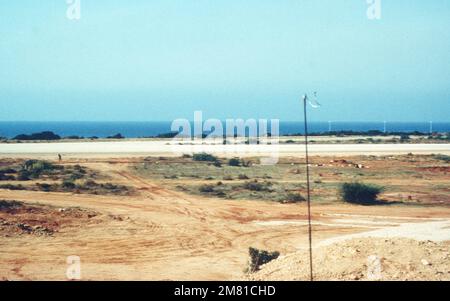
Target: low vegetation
(251, 190)
(285, 181)
(259, 258)
(57, 178)
(441, 157)
(358, 193)
(204, 157)
(294, 198)
(258, 186)
(206, 189)
(12, 187)
(8, 205)
(234, 162)
(89, 187)
(38, 169)
(6, 177)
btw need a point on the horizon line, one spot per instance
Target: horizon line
(293, 121)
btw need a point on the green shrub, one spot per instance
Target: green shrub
(37, 167)
(295, 198)
(106, 188)
(44, 187)
(79, 169)
(234, 162)
(257, 186)
(8, 170)
(206, 189)
(12, 187)
(73, 175)
(69, 185)
(76, 176)
(221, 194)
(5, 205)
(4, 177)
(111, 186)
(358, 193)
(28, 164)
(204, 157)
(90, 183)
(254, 186)
(259, 258)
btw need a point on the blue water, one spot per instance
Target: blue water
(146, 129)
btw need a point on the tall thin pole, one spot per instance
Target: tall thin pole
(309, 192)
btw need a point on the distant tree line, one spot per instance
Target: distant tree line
(51, 136)
(363, 133)
(47, 135)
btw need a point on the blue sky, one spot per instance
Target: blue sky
(159, 60)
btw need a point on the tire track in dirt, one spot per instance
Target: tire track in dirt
(171, 235)
(153, 191)
(188, 239)
(176, 201)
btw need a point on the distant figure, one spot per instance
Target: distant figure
(59, 157)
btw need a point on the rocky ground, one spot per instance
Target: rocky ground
(364, 259)
(18, 218)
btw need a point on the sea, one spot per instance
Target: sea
(150, 129)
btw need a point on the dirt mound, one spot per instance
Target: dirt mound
(364, 259)
(17, 218)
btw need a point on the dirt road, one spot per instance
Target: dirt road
(161, 234)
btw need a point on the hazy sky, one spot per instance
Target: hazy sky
(163, 59)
